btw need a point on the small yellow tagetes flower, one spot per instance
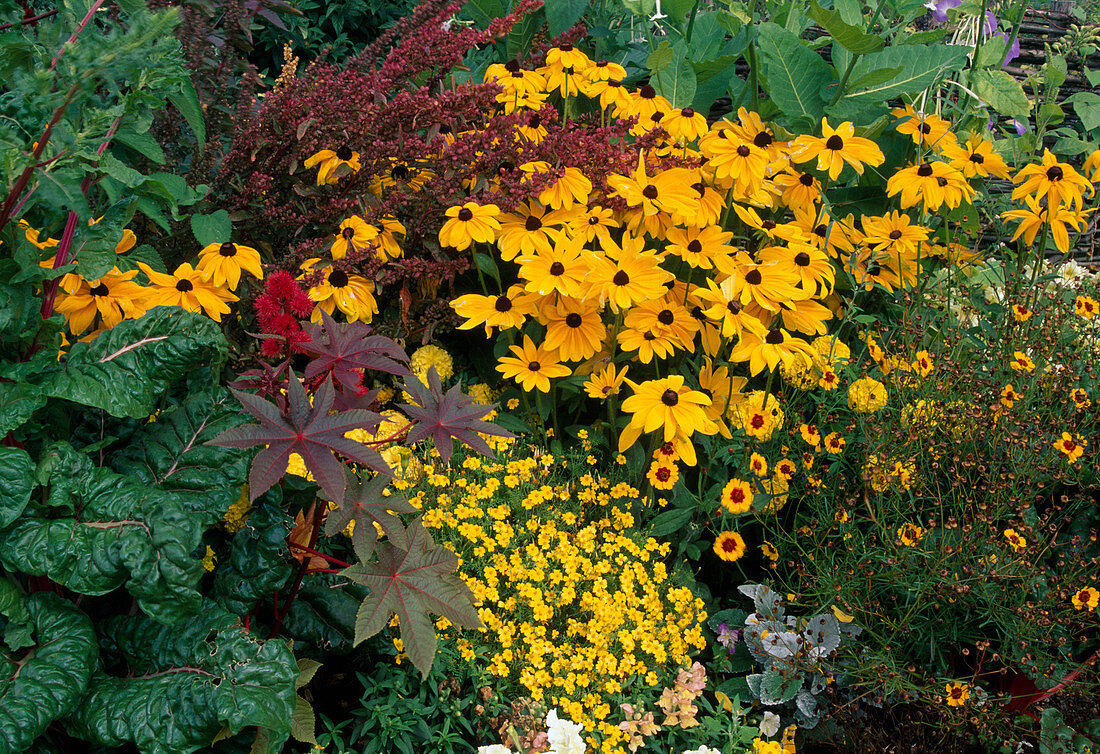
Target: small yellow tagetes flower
(957, 694)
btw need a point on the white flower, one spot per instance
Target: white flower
(1070, 274)
(703, 750)
(564, 735)
(494, 749)
(769, 726)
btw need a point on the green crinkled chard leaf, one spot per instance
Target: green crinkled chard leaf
(16, 483)
(127, 534)
(46, 683)
(126, 369)
(258, 562)
(325, 615)
(171, 453)
(18, 402)
(189, 681)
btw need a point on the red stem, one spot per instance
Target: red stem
(311, 551)
(30, 21)
(394, 436)
(321, 570)
(1070, 677)
(318, 516)
(76, 33)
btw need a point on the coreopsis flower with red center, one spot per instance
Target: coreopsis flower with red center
(737, 496)
(910, 534)
(1086, 599)
(758, 415)
(532, 366)
(186, 288)
(1086, 307)
(784, 469)
(1021, 313)
(758, 464)
(113, 297)
(922, 363)
(669, 406)
(662, 476)
(1009, 396)
(977, 158)
(221, 264)
(1072, 448)
(1057, 181)
(329, 162)
(957, 694)
(829, 379)
(605, 382)
(505, 311)
(729, 546)
(767, 549)
(468, 224)
(1016, 541)
(834, 148)
(351, 294)
(810, 435)
(929, 130)
(835, 442)
(1080, 397)
(1021, 362)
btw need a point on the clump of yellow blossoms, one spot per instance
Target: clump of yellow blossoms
(426, 357)
(866, 395)
(578, 607)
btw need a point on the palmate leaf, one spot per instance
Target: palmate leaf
(442, 416)
(365, 504)
(347, 349)
(309, 431)
(413, 583)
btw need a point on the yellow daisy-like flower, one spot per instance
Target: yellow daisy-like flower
(1057, 181)
(836, 147)
(1009, 396)
(910, 534)
(957, 694)
(468, 224)
(1021, 362)
(532, 366)
(1086, 599)
(221, 264)
(977, 158)
(1080, 397)
(1021, 313)
(1015, 540)
(605, 382)
(186, 288)
(351, 294)
(1086, 307)
(926, 130)
(729, 546)
(668, 405)
(355, 233)
(662, 475)
(737, 496)
(329, 162)
(1072, 448)
(758, 464)
(114, 297)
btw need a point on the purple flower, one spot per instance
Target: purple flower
(1021, 128)
(939, 9)
(727, 636)
(1013, 52)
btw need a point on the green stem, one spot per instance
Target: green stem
(691, 22)
(977, 47)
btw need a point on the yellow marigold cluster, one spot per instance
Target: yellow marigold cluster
(426, 357)
(577, 606)
(866, 395)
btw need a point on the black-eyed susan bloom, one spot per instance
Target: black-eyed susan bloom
(222, 263)
(355, 234)
(532, 366)
(508, 310)
(468, 224)
(328, 161)
(623, 277)
(670, 406)
(605, 382)
(1057, 181)
(930, 130)
(1036, 216)
(351, 294)
(186, 288)
(976, 158)
(776, 347)
(729, 546)
(574, 329)
(835, 147)
(113, 297)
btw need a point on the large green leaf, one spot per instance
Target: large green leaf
(562, 14)
(186, 683)
(127, 368)
(258, 562)
(16, 483)
(127, 534)
(1087, 107)
(795, 75)
(677, 82)
(48, 682)
(1001, 92)
(921, 66)
(18, 402)
(171, 453)
(324, 615)
(851, 38)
